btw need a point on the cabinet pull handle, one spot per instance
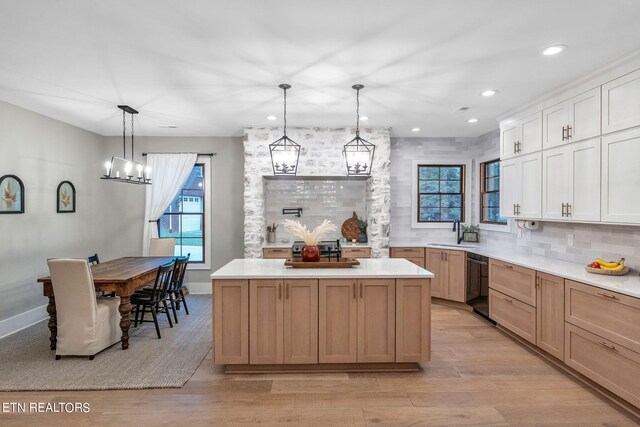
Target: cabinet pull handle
(287, 291)
(564, 205)
(568, 209)
(518, 209)
(509, 300)
(508, 266)
(279, 290)
(514, 208)
(354, 291)
(519, 145)
(604, 344)
(446, 256)
(515, 150)
(602, 294)
(563, 133)
(360, 290)
(569, 134)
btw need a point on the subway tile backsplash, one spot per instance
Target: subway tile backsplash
(320, 199)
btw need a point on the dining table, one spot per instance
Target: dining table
(122, 276)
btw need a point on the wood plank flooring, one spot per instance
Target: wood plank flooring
(477, 376)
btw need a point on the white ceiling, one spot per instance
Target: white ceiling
(212, 67)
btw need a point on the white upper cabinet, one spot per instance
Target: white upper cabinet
(573, 120)
(520, 187)
(523, 136)
(621, 177)
(571, 182)
(621, 103)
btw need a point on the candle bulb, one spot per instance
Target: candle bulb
(127, 170)
(139, 167)
(107, 166)
(148, 172)
(117, 174)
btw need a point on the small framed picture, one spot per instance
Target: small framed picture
(11, 195)
(66, 197)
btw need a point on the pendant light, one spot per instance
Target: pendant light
(284, 151)
(120, 169)
(358, 153)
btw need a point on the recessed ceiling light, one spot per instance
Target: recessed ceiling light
(364, 118)
(168, 126)
(473, 120)
(415, 130)
(489, 92)
(554, 50)
(271, 118)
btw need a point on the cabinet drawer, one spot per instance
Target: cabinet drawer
(514, 315)
(276, 253)
(417, 261)
(611, 315)
(517, 282)
(407, 253)
(356, 253)
(614, 367)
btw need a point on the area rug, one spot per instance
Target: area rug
(27, 363)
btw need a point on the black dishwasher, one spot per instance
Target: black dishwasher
(478, 284)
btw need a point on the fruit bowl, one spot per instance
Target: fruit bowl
(622, 272)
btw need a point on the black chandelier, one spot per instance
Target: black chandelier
(284, 151)
(358, 153)
(120, 169)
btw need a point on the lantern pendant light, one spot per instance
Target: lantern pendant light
(358, 153)
(285, 152)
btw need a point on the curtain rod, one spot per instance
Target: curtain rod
(199, 154)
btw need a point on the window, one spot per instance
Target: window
(440, 193)
(184, 219)
(490, 193)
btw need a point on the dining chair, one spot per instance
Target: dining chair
(151, 300)
(86, 324)
(178, 289)
(162, 247)
(93, 259)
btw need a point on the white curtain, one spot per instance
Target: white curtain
(169, 172)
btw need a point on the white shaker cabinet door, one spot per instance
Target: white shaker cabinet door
(509, 135)
(621, 103)
(554, 125)
(584, 180)
(510, 187)
(531, 134)
(531, 193)
(621, 177)
(584, 112)
(555, 183)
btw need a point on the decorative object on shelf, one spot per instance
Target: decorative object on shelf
(341, 263)
(12, 192)
(66, 197)
(358, 153)
(292, 211)
(271, 233)
(362, 224)
(285, 152)
(120, 169)
(609, 268)
(351, 228)
(470, 233)
(310, 251)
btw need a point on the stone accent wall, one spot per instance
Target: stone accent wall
(320, 154)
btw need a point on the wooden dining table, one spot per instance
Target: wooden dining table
(123, 276)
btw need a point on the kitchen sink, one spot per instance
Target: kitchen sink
(451, 245)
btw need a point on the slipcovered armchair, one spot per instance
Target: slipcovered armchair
(162, 247)
(86, 324)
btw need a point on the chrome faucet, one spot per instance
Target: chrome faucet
(456, 227)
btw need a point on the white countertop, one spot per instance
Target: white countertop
(279, 245)
(628, 285)
(369, 268)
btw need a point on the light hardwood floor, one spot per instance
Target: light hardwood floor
(477, 376)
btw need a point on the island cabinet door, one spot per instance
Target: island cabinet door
(231, 322)
(413, 320)
(337, 320)
(300, 321)
(266, 309)
(435, 263)
(376, 320)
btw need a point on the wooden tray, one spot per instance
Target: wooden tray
(622, 272)
(323, 263)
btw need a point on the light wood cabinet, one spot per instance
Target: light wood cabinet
(573, 120)
(609, 364)
(337, 325)
(621, 103)
(550, 314)
(514, 281)
(571, 182)
(415, 255)
(521, 187)
(356, 252)
(266, 310)
(608, 314)
(276, 253)
(300, 321)
(449, 268)
(231, 322)
(521, 137)
(621, 177)
(413, 320)
(516, 316)
(376, 340)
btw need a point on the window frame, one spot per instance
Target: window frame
(461, 194)
(483, 191)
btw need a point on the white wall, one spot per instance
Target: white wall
(43, 152)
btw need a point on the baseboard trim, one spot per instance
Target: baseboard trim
(23, 320)
(199, 288)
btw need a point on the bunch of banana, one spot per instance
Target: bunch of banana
(608, 265)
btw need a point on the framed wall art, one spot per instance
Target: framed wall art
(11, 195)
(66, 197)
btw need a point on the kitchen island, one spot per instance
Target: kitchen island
(372, 317)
